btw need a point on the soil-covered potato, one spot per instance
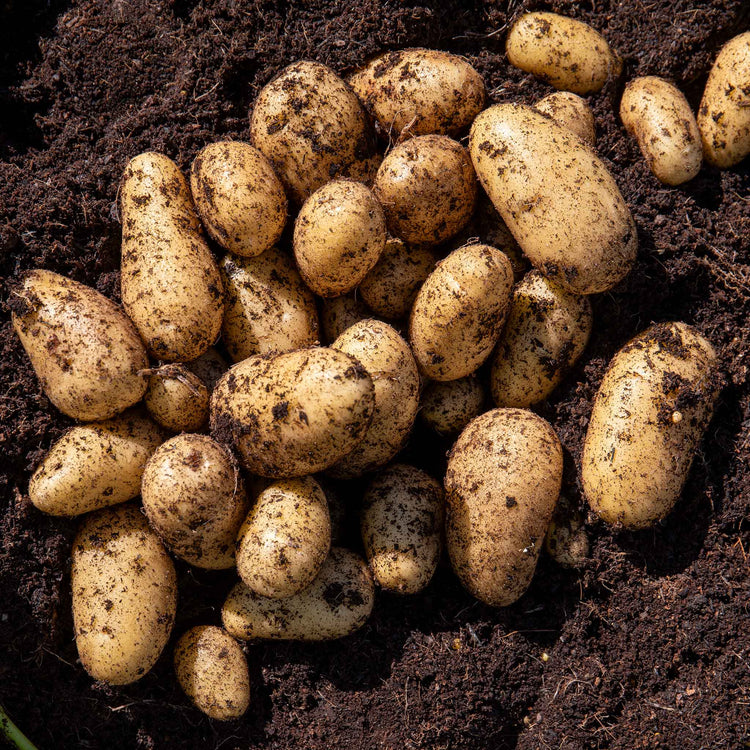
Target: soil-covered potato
(570, 111)
(567, 542)
(124, 595)
(177, 398)
(209, 367)
(652, 408)
(83, 348)
(494, 231)
(496, 517)
(448, 407)
(339, 313)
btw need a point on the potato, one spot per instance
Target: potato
(171, 286)
(310, 125)
(494, 231)
(402, 525)
(724, 112)
(338, 602)
(83, 348)
(177, 399)
(567, 542)
(390, 363)
(566, 53)
(448, 407)
(419, 92)
(293, 414)
(391, 287)
(427, 188)
(212, 670)
(95, 465)
(209, 367)
(653, 405)
(238, 196)
(502, 483)
(564, 207)
(195, 499)
(339, 235)
(547, 330)
(460, 311)
(337, 507)
(285, 538)
(339, 313)
(572, 112)
(124, 595)
(269, 308)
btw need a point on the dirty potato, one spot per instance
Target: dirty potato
(447, 408)
(567, 542)
(339, 313)
(209, 367)
(570, 111)
(177, 399)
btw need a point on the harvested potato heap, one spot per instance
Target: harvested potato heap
(233, 466)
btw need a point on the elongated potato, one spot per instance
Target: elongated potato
(448, 407)
(209, 367)
(496, 516)
(653, 405)
(570, 111)
(565, 210)
(338, 602)
(84, 349)
(124, 595)
(566, 53)
(177, 399)
(339, 313)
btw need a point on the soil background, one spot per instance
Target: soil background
(648, 644)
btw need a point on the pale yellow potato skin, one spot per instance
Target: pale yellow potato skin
(171, 287)
(460, 311)
(566, 53)
(566, 210)
(570, 111)
(238, 196)
(209, 367)
(567, 542)
(212, 671)
(496, 517)
(545, 334)
(420, 91)
(177, 398)
(448, 407)
(293, 414)
(493, 231)
(657, 114)
(339, 235)
(652, 408)
(93, 466)
(285, 538)
(124, 595)
(312, 128)
(339, 313)
(83, 347)
(724, 112)
(268, 307)
(402, 526)
(338, 602)
(195, 500)
(388, 359)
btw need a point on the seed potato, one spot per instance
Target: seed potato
(339, 313)
(177, 399)
(209, 367)
(446, 408)
(572, 112)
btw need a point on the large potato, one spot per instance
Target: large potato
(124, 595)
(84, 349)
(293, 414)
(171, 286)
(502, 483)
(339, 313)
(177, 398)
(338, 602)
(570, 111)
(459, 312)
(448, 407)
(556, 196)
(653, 405)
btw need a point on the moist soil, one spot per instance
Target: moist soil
(647, 645)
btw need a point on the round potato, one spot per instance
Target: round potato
(177, 399)
(653, 405)
(239, 198)
(338, 602)
(572, 112)
(339, 313)
(209, 367)
(496, 517)
(567, 542)
(448, 407)
(565, 209)
(494, 231)
(124, 595)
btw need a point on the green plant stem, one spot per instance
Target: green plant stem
(13, 733)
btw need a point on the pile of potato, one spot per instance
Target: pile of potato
(228, 460)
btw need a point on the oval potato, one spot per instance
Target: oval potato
(567, 542)
(572, 112)
(493, 231)
(448, 407)
(339, 313)
(177, 399)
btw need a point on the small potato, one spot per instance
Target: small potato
(212, 670)
(502, 483)
(338, 602)
(402, 525)
(419, 92)
(427, 188)
(339, 235)
(572, 112)
(124, 595)
(209, 367)
(285, 538)
(83, 348)
(566, 53)
(724, 112)
(293, 414)
(337, 507)
(339, 313)
(96, 465)
(460, 311)
(567, 542)
(565, 210)
(547, 330)
(652, 408)
(195, 500)
(177, 399)
(269, 308)
(448, 407)
(494, 231)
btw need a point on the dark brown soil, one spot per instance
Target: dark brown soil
(648, 645)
